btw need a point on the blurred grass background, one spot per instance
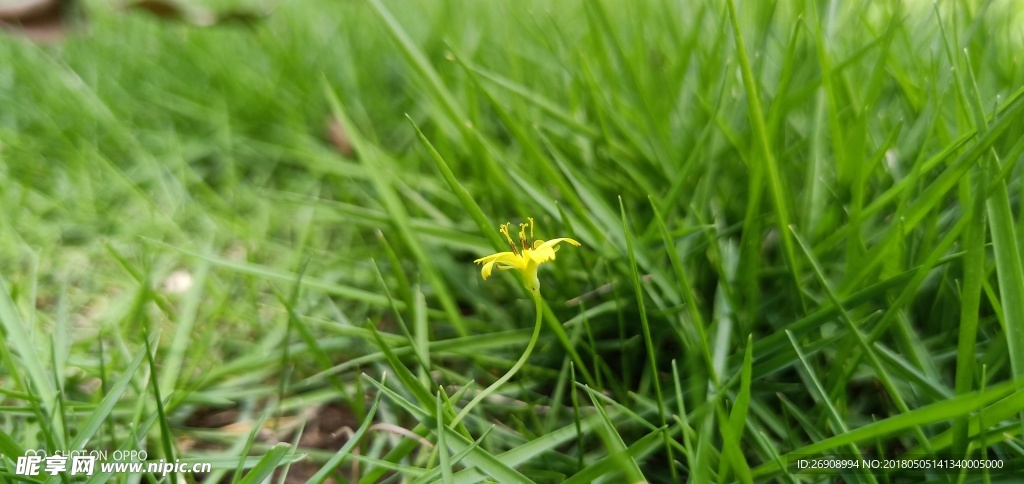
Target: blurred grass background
(800, 226)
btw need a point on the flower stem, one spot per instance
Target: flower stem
(512, 371)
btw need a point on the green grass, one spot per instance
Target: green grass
(800, 223)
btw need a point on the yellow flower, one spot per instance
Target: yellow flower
(526, 258)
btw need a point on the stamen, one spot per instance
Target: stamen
(522, 236)
(504, 231)
(531, 230)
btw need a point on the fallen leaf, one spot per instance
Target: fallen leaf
(159, 8)
(338, 137)
(195, 16)
(40, 21)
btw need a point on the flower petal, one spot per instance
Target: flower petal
(486, 271)
(499, 255)
(505, 260)
(555, 242)
(541, 254)
(545, 251)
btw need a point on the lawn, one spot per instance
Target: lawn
(243, 233)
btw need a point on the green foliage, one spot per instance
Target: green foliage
(801, 227)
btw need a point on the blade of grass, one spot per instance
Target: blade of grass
(404, 375)
(106, 406)
(614, 443)
(339, 457)
(442, 445)
(658, 137)
(978, 425)
(936, 190)
(455, 459)
(268, 273)
(487, 462)
(927, 415)
(266, 466)
(970, 302)
(764, 148)
(646, 327)
(731, 451)
(175, 356)
(738, 417)
(612, 463)
(9, 446)
(418, 61)
(247, 445)
(14, 333)
(399, 452)
(470, 205)
(399, 216)
(1009, 271)
(851, 327)
(838, 424)
(166, 443)
(435, 233)
(686, 290)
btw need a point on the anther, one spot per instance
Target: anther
(504, 231)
